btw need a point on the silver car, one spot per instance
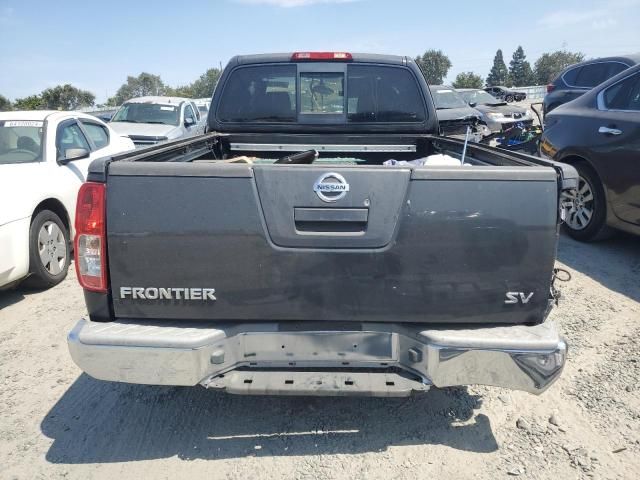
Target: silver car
(496, 114)
(151, 120)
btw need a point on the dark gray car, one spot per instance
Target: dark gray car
(506, 94)
(452, 110)
(599, 134)
(577, 79)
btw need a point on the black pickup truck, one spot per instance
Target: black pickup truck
(382, 260)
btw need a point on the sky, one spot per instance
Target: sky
(95, 45)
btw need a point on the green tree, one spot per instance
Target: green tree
(434, 65)
(140, 86)
(520, 73)
(203, 87)
(468, 80)
(66, 97)
(529, 77)
(5, 104)
(499, 73)
(32, 102)
(181, 91)
(549, 65)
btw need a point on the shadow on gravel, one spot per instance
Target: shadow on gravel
(16, 294)
(9, 297)
(97, 422)
(614, 263)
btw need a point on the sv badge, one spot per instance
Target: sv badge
(518, 297)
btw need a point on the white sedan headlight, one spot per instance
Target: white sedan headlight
(495, 115)
(529, 113)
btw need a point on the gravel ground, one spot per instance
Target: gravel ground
(56, 422)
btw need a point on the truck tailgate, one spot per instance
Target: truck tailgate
(428, 245)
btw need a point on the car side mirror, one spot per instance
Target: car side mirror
(472, 104)
(188, 121)
(71, 154)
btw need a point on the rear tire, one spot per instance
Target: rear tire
(586, 211)
(508, 98)
(49, 252)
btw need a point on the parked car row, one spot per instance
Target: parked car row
(592, 121)
(494, 114)
(598, 133)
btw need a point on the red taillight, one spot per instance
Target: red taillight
(550, 88)
(90, 241)
(321, 56)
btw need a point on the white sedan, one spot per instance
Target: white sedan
(44, 158)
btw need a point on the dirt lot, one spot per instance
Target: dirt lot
(58, 423)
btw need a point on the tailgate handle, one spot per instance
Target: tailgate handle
(331, 220)
(360, 215)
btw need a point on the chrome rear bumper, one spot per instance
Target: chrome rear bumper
(270, 358)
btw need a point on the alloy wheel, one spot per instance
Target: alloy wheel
(52, 248)
(579, 205)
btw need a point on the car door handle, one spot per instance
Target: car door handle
(609, 131)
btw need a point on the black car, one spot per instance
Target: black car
(599, 134)
(454, 114)
(577, 79)
(506, 94)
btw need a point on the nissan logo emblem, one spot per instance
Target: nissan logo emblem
(331, 187)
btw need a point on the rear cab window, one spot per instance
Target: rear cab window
(265, 93)
(322, 93)
(383, 94)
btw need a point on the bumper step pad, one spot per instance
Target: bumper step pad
(317, 383)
